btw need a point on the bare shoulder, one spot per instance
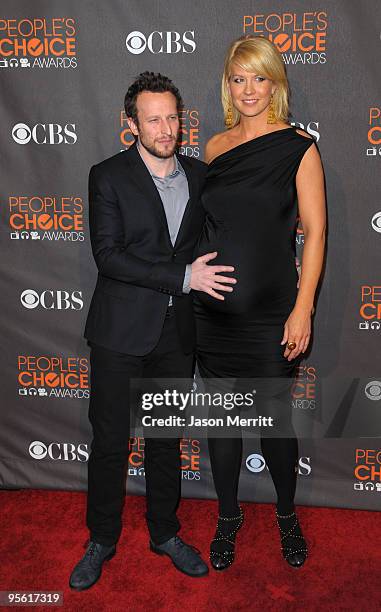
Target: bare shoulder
(304, 133)
(312, 155)
(215, 146)
(311, 163)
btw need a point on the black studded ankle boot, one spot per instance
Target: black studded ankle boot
(222, 547)
(294, 546)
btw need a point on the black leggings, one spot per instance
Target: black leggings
(281, 456)
(280, 450)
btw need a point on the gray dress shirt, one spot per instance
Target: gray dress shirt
(174, 193)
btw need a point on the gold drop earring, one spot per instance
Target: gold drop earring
(271, 111)
(229, 117)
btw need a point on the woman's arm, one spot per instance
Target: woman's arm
(312, 211)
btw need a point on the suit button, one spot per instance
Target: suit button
(174, 254)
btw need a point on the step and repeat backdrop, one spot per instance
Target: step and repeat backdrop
(65, 67)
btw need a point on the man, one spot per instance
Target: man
(145, 218)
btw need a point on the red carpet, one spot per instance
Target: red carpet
(42, 535)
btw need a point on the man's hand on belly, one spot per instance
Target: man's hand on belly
(208, 278)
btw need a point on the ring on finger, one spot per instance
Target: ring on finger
(291, 345)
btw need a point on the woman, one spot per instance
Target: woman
(260, 171)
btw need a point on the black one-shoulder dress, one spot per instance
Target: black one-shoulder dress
(251, 208)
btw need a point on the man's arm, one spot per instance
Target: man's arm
(107, 242)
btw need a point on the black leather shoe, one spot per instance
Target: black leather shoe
(184, 557)
(89, 569)
(222, 547)
(294, 546)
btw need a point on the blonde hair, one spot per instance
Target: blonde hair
(259, 55)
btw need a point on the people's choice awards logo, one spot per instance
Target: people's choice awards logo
(38, 43)
(376, 222)
(373, 390)
(161, 42)
(46, 217)
(370, 309)
(304, 388)
(44, 133)
(374, 132)
(190, 459)
(53, 376)
(189, 455)
(301, 37)
(52, 300)
(136, 457)
(367, 469)
(189, 132)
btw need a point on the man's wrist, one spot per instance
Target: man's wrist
(187, 278)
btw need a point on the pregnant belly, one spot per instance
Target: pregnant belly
(266, 282)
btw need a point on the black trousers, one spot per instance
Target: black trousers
(109, 414)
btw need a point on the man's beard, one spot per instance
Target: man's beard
(151, 148)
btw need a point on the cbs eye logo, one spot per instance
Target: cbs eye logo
(21, 133)
(255, 463)
(373, 390)
(376, 222)
(30, 298)
(136, 42)
(38, 450)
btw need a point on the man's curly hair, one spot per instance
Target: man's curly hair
(149, 81)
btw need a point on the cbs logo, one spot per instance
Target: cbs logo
(52, 300)
(373, 390)
(38, 450)
(376, 222)
(312, 128)
(44, 133)
(255, 463)
(161, 42)
(59, 451)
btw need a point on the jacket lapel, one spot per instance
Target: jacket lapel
(146, 185)
(189, 206)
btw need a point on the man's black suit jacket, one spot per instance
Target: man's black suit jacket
(138, 268)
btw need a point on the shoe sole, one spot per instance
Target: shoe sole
(74, 588)
(296, 566)
(162, 552)
(220, 569)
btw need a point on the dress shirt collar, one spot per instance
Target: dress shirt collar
(178, 169)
